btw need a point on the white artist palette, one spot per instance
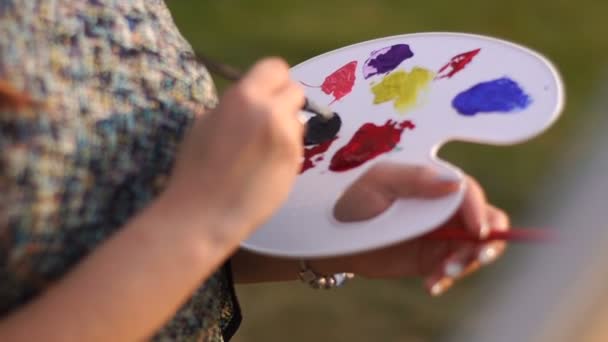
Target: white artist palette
(523, 104)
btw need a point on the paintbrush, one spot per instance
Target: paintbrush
(320, 128)
(515, 234)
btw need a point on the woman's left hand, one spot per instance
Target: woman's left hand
(440, 263)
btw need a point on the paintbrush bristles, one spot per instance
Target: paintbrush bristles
(325, 112)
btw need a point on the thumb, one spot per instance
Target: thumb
(401, 180)
(377, 189)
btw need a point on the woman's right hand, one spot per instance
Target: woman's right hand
(237, 163)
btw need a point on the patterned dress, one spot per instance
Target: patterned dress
(118, 86)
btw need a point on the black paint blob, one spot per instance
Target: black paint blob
(319, 130)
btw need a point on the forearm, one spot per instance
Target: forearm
(128, 287)
(248, 267)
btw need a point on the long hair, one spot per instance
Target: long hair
(12, 99)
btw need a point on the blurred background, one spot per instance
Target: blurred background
(570, 33)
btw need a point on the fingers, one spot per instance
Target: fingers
(265, 103)
(268, 86)
(460, 262)
(398, 180)
(289, 101)
(489, 252)
(441, 280)
(381, 185)
(360, 202)
(266, 76)
(473, 209)
(290, 98)
(470, 257)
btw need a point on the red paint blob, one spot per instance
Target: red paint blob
(456, 64)
(315, 151)
(340, 82)
(367, 143)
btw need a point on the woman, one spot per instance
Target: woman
(122, 208)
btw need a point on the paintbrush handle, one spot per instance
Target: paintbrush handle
(227, 72)
(231, 73)
(515, 234)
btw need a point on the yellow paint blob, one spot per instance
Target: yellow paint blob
(403, 87)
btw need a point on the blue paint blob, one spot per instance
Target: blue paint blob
(502, 95)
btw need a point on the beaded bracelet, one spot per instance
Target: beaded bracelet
(317, 281)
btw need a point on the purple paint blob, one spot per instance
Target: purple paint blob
(502, 95)
(385, 60)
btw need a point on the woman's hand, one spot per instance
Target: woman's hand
(439, 262)
(237, 164)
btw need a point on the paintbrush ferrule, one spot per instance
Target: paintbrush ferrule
(312, 107)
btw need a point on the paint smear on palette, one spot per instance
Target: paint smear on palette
(313, 155)
(385, 60)
(367, 143)
(402, 87)
(339, 83)
(502, 95)
(456, 64)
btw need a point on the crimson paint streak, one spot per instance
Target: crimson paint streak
(367, 143)
(311, 152)
(340, 82)
(456, 64)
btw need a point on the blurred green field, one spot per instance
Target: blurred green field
(571, 33)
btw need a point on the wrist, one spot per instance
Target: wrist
(199, 224)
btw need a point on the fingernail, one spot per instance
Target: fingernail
(487, 255)
(441, 286)
(484, 230)
(453, 269)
